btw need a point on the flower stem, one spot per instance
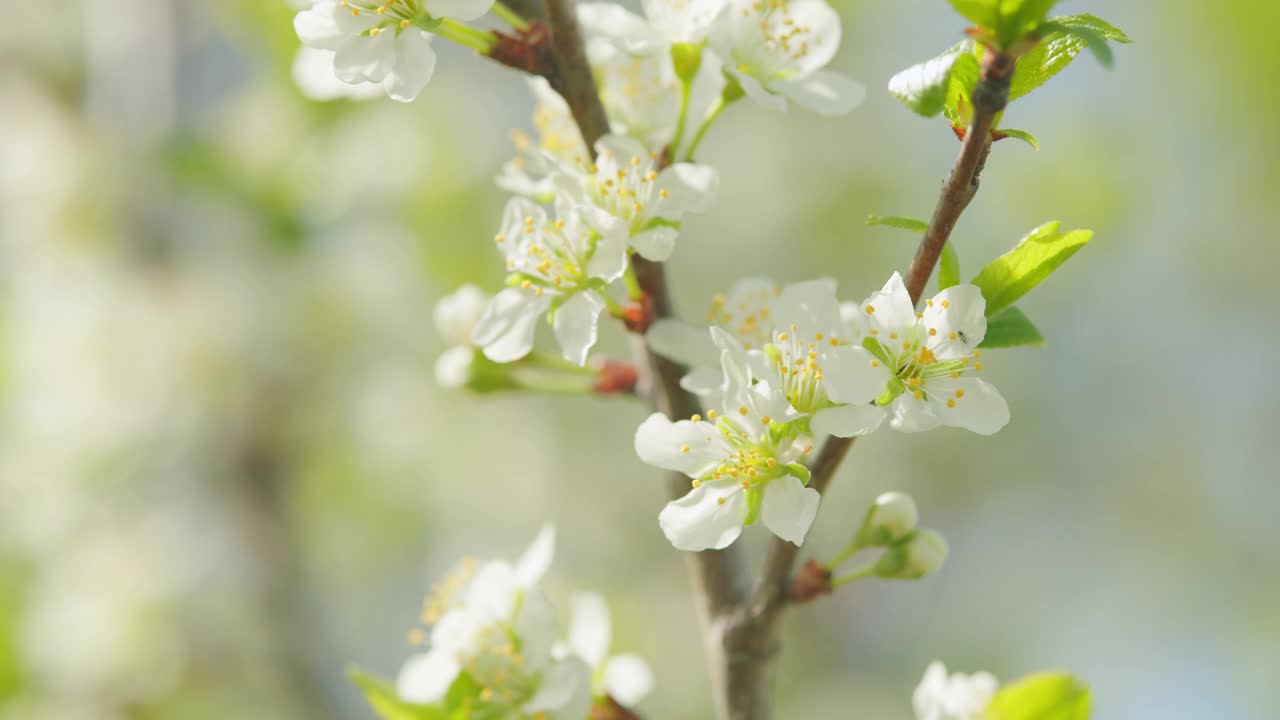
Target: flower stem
(510, 17)
(712, 113)
(478, 40)
(555, 384)
(686, 91)
(860, 573)
(547, 361)
(634, 291)
(845, 554)
(614, 308)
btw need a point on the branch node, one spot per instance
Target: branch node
(811, 582)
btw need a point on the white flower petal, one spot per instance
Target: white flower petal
(626, 30)
(456, 632)
(455, 315)
(492, 592)
(627, 679)
(535, 624)
(615, 149)
(890, 308)
(823, 38)
(689, 187)
(853, 375)
(981, 408)
(535, 561)
(610, 258)
(313, 73)
(415, 64)
(425, 678)
(505, 330)
(453, 367)
(959, 314)
(810, 305)
(318, 27)
(789, 508)
(757, 91)
(848, 420)
(681, 342)
(463, 10)
(564, 690)
(703, 381)
(590, 632)
(699, 521)
(575, 326)
(361, 58)
(909, 415)
(656, 244)
(663, 444)
(825, 92)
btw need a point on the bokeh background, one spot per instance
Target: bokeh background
(226, 471)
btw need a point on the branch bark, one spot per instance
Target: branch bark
(721, 580)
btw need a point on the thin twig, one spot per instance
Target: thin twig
(573, 78)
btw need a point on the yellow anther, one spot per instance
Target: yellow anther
(373, 32)
(684, 448)
(742, 410)
(875, 363)
(720, 501)
(771, 462)
(635, 161)
(918, 395)
(951, 403)
(525, 284)
(697, 484)
(746, 485)
(977, 366)
(417, 637)
(893, 336)
(711, 414)
(404, 24)
(955, 374)
(946, 304)
(782, 337)
(919, 316)
(499, 238)
(695, 418)
(952, 336)
(766, 420)
(819, 337)
(664, 194)
(933, 331)
(959, 393)
(929, 303)
(875, 331)
(977, 353)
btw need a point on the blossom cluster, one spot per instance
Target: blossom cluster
(794, 364)
(493, 649)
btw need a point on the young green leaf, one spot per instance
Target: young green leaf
(948, 268)
(1042, 696)
(386, 703)
(981, 12)
(1018, 17)
(1022, 135)
(1015, 273)
(1011, 328)
(899, 221)
(1063, 38)
(924, 88)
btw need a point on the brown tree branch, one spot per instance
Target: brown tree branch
(989, 98)
(721, 580)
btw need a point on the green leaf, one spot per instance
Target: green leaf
(924, 88)
(900, 222)
(1015, 273)
(1011, 328)
(948, 268)
(1042, 696)
(1022, 135)
(980, 12)
(386, 703)
(1063, 38)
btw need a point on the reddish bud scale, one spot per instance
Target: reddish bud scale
(810, 583)
(609, 709)
(616, 378)
(638, 315)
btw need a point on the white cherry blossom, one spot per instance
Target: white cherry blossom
(313, 73)
(559, 266)
(626, 677)
(558, 143)
(665, 23)
(455, 317)
(778, 50)
(744, 463)
(625, 183)
(931, 359)
(940, 696)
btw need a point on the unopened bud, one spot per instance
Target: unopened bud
(889, 520)
(920, 553)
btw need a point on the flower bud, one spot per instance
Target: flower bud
(918, 554)
(889, 520)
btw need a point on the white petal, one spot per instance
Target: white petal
(535, 624)
(505, 330)
(627, 679)
(929, 698)
(823, 39)
(535, 561)
(909, 415)
(492, 592)
(318, 27)
(960, 311)
(662, 443)
(756, 91)
(610, 258)
(627, 30)
(615, 149)
(703, 380)
(458, 9)
(425, 678)
(848, 420)
(789, 508)
(825, 92)
(892, 306)
(453, 367)
(589, 629)
(698, 521)
(690, 188)
(852, 375)
(656, 244)
(564, 691)
(456, 632)
(360, 58)
(575, 326)
(982, 409)
(455, 315)
(415, 64)
(681, 342)
(810, 305)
